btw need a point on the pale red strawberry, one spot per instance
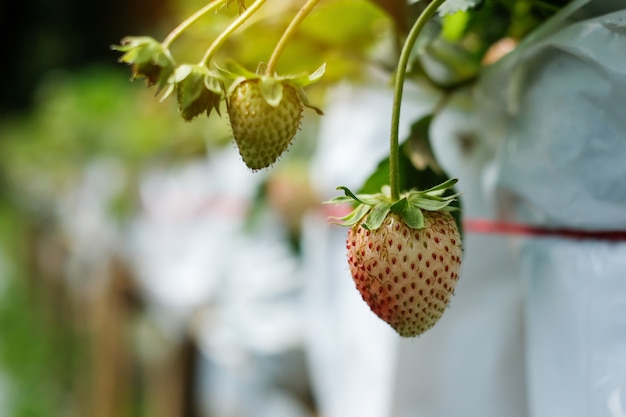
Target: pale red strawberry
(406, 275)
(263, 131)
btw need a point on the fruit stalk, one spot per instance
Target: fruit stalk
(288, 34)
(254, 7)
(190, 21)
(405, 54)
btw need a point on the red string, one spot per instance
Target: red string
(484, 226)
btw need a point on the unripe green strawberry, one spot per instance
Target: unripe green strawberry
(198, 90)
(263, 129)
(406, 275)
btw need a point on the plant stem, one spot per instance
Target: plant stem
(288, 34)
(229, 30)
(405, 54)
(190, 21)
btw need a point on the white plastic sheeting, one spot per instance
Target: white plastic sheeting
(555, 110)
(235, 291)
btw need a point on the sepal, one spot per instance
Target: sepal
(374, 208)
(148, 59)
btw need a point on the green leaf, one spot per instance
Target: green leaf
(454, 26)
(413, 178)
(397, 10)
(349, 193)
(340, 199)
(181, 72)
(399, 206)
(214, 83)
(413, 217)
(307, 103)
(303, 80)
(354, 217)
(235, 70)
(453, 6)
(427, 203)
(377, 216)
(317, 74)
(271, 90)
(369, 199)
(441, 188)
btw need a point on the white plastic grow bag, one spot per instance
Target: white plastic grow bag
(555, 110)
(471, 362)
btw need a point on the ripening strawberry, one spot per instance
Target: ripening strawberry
(406, 275)
(404, 255)
(263, 129)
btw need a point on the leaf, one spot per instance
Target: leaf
(340, 199)
(234, 70)
(181, 72)
(412, 178)
(318, 73)
(397, 10)
(307, 103)
(413, 217)
(349, 194)
(303, 80)
(441, 188)
(427, 203)
(354, 217)
(214, 84)
(377, 216)
(454, 26)
(271, 90)
(399, 206)
(453, 6)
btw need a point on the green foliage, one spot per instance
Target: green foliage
(455, 6)
(38, 355)
(91, 115)
(453, 52)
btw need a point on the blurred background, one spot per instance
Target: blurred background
(144, 271)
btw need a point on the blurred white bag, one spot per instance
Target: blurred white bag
(471, 363)
(235, 291)
(556, 107)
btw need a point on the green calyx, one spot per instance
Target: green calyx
(272, 86)
(198, 90)
(375, 207)
(148, 57)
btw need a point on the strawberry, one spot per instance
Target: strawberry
(265, 112)
(406, 275)
(404, 256)
(263, 129)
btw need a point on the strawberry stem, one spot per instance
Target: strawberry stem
(394, 148)
(288, 34)
(174, 34)
(219, 41)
